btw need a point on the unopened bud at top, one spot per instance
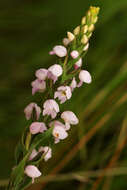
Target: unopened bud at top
(85, 29)
(77, 30)
(83, 20)
(70, 36)
(84, 39)
(91, 28)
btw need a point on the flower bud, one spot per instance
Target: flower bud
(66, 41)
(91, 28)
(71, 36)
(83, 20)
(86, 47)
(77, 30)
(84, 39)
(74, 54)
(85, 29)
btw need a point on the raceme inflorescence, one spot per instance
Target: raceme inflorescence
(47, 125)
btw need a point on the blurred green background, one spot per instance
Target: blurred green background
(28, 31)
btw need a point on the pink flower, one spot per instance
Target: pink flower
(84, 76)
(78, 64)
(38, 86)
(54, 72)
(47, 152)
(59, 131)
(50, 108)
(59, 50)
(69, 118)
(41, 74)
(33, 154)
(37, 127)
(29, 110)
(63, 93)
(74, 54)
(73, 84)
(32, 171)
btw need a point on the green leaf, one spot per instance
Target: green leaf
(42, 139)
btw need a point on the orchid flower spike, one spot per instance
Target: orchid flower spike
(38, 86)
(59, 50)
(32, 171)
(37, 127)
(47, 152)
(63, 93)
(41, 74)
(50, 108)
(84, 76)
(29, 110)
(69, 118)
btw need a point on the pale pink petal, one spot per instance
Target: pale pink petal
(32, 171)
(74, 54)
(56, 70)
(33, 154)
(41, 74)
(60, 51)
(69, 117)
(85, 76)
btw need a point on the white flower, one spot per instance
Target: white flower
(37, 127)
(74, 54)
(29, 110)
(56, 70)
(63, 93)
(59, 50)
(50, 108)
(69, 118)
(41, 74)
(59, 132)
(84, 76)
(33, 154)
(73, 84)
(38, 86)
(47, 152)
(32, 171)
(78, 63)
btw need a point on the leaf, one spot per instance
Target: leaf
(18, 152)
(42, 139)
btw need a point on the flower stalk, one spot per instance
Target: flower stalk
(47, 124)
